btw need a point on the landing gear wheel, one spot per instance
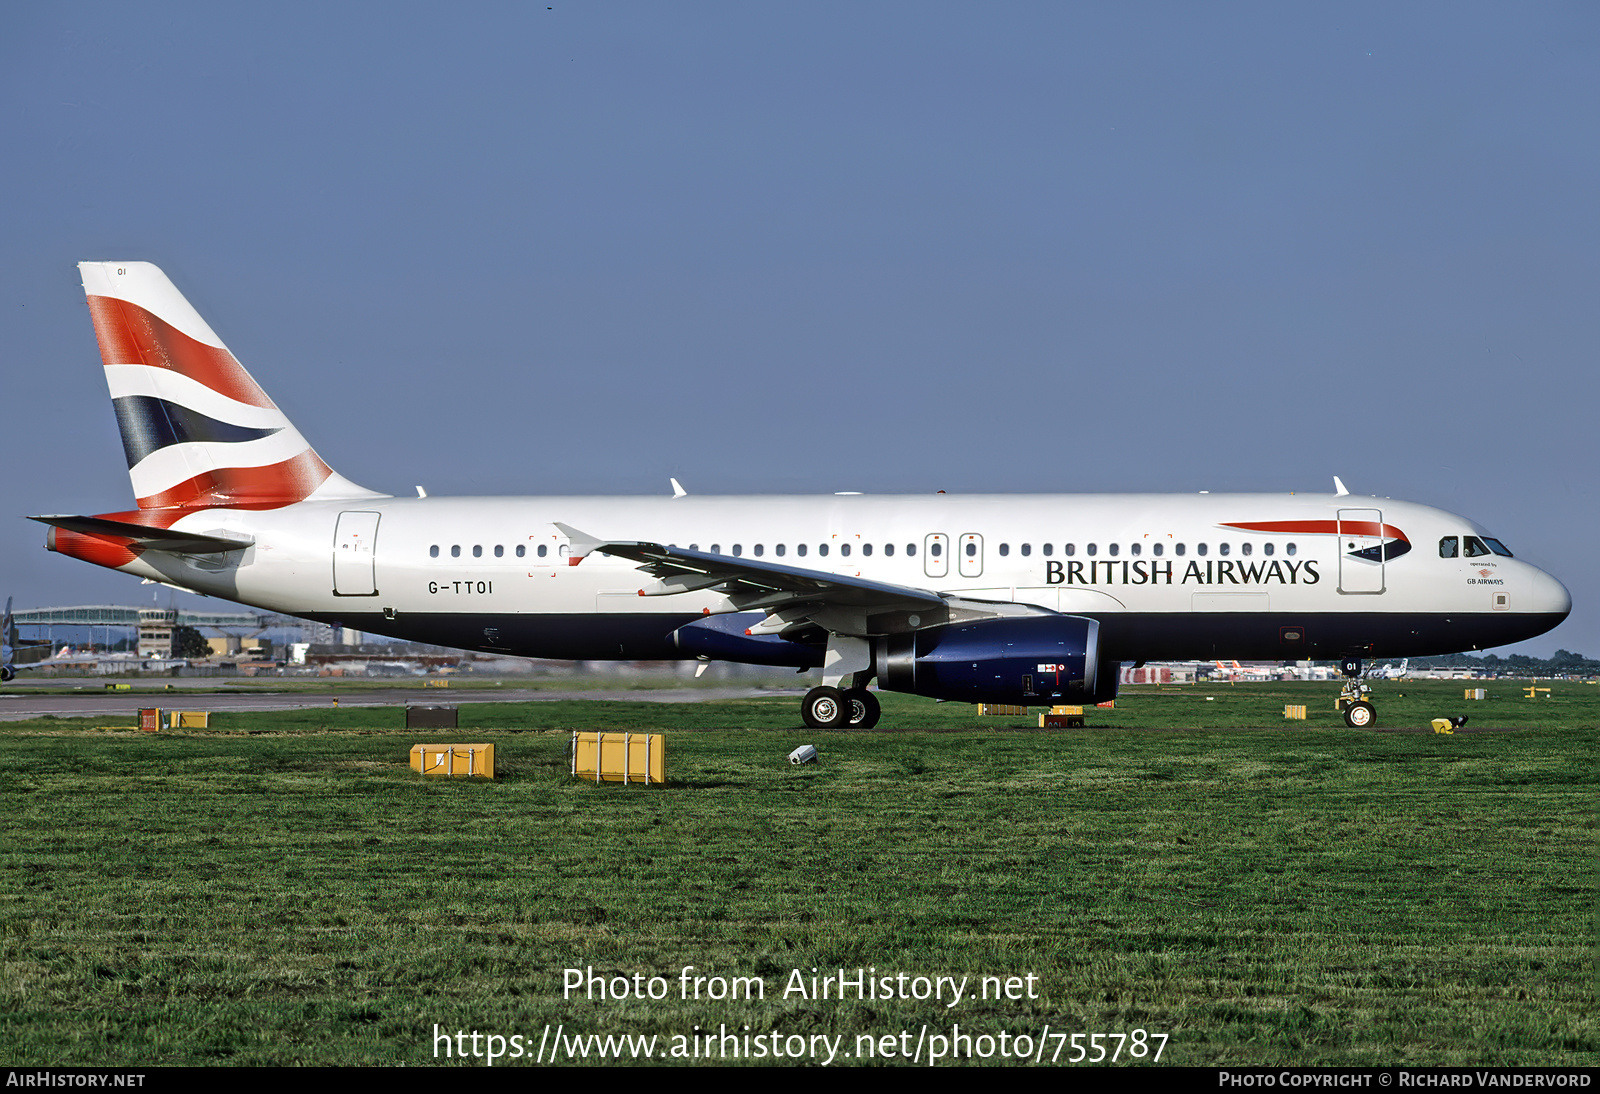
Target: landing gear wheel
(1360, 715)
(825, 708)
(864, 708)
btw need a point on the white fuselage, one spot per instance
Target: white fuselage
(1165, 574)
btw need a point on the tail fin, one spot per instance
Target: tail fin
(198, 432)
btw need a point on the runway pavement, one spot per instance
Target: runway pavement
(16, 704)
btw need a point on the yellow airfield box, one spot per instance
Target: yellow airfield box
(1295, 710)
(190, 719)
(150, 719)
(1062, 717)
(1003, 710)
(620, 757)
(453, 760)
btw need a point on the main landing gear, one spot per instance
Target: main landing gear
(832, 708)
(1359, 713)
(843, 701)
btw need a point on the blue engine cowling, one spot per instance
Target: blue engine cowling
(1031, 660)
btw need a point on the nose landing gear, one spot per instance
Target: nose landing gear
(1359, 713)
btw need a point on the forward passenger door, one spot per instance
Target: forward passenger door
(1360, 530)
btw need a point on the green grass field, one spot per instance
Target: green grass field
(283, 889)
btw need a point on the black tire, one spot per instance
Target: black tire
(1360, 715)
(825, 708)
(7, 674)
(864, 708)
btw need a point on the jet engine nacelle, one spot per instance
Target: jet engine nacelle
(1033, 660)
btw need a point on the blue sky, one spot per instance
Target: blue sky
(803, 248)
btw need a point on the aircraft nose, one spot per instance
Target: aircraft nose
(1550, 596)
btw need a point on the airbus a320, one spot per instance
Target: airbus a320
(1032, 600)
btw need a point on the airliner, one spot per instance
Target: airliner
(8, 643)
(1017, 599)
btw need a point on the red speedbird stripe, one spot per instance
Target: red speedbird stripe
(129, 335)
(1326, 528)
(269, 487)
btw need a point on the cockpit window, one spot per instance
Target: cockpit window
(1474, 546)
(1449, 547)
(1497, 547)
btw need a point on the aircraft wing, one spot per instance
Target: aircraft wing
(790, 595)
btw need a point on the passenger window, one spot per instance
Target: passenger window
(543, 549)
(1179, 549)
(1449, 547)
(716, 548)
(477, 550)
(822, 549)
(779, 549)
(433, 552)
(455, 550)
(1289, 549)
(1048, 549)
(1155, 549)
(737, 550)
(1200, 549)
(911, 549)
(1134, 549)
(1266, 549)
(1222, 548)
(1474, 546)
(972, 550)
(866, 548)
(499, 551)
(844, 549)
(522, 549)
(1113, 549)
(888, 549)
(1005, 549)
(1027, 549)
(936, 550)
(759, 550)
(800, 549)
(1244, 548)
(1069, 549)
(1093, 549)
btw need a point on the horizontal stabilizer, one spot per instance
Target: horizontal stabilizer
(151, 539)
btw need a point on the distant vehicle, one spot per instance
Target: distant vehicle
(991, 598)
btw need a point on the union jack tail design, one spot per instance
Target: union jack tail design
(198, 432)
